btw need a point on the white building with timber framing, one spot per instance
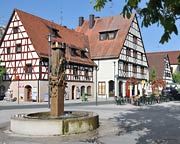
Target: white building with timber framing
(24, 49)
(104, 56)
(116, 46)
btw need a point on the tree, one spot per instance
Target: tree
(157, 84)
(2, 69)
(176, 77)
(152, 74)
(160, 12)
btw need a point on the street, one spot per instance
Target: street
(126, 124)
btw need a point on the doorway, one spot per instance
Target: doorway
(73, 91)
(28, 93)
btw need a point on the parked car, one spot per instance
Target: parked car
(172, 92)
(2, 97)
(166, 91)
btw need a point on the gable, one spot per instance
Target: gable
(108, 48)
(133, 48)
(15, 35)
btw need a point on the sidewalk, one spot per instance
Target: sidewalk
(66, 102)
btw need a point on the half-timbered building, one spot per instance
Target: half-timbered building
(116, 46)
(173, 59)
(104, 56)
(159, 64)
(25, 51)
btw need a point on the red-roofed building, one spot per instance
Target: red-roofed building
(116, 46)
(24, 49)
(173, 59)
(159, 62)
(113, 45)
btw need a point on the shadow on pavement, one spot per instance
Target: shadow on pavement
(155, 124)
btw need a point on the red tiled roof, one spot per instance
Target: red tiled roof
(107, 48)
(173, 56)
(156, 62)
(38, 31)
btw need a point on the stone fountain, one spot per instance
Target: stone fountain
(57, 121)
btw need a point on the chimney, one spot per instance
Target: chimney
(91, 21)
(81, 21)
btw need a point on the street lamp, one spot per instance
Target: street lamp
(49, 56)
(114, 75)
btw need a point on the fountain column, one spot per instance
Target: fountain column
(57, 79)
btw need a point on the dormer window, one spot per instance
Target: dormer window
(83, 55)
(107, 35)
(15, 30)
(103, 36)
(54, 32)
(18, 48)
(111, 35)
(73, 52)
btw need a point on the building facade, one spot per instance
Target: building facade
(116, 46)
(160, 64)
(105, 57)
(25, 49)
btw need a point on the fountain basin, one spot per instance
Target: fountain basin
(42, 124)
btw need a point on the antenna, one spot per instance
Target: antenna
(61, 14)
(111, 7)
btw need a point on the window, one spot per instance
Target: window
(75, 72)
(141, 56)
(73, 52)
(135, 54)
(101, 88)
(167, 74)
(28, 68)
(54, 32)
(167, 66)
(128, 51)
(142, 70)
(8, 50)
(125, 66)
(108, 35)
(135, 39)
(18, 48)
(83, 55)
(15, 30)
(134, 68)
(111, 35)
(103, 36)
(86, 74)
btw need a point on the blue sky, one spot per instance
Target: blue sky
(67, 12)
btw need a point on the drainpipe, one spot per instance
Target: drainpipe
(38, 92)
(97, 69)
(49, 40)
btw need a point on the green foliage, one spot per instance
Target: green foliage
(160, 12)
(176, 77)
(99, 4)
(179, 59)
(2, 69)
(152, 74)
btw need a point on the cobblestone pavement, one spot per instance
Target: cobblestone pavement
(126, 124)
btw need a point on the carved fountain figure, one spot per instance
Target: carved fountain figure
(57, 79)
